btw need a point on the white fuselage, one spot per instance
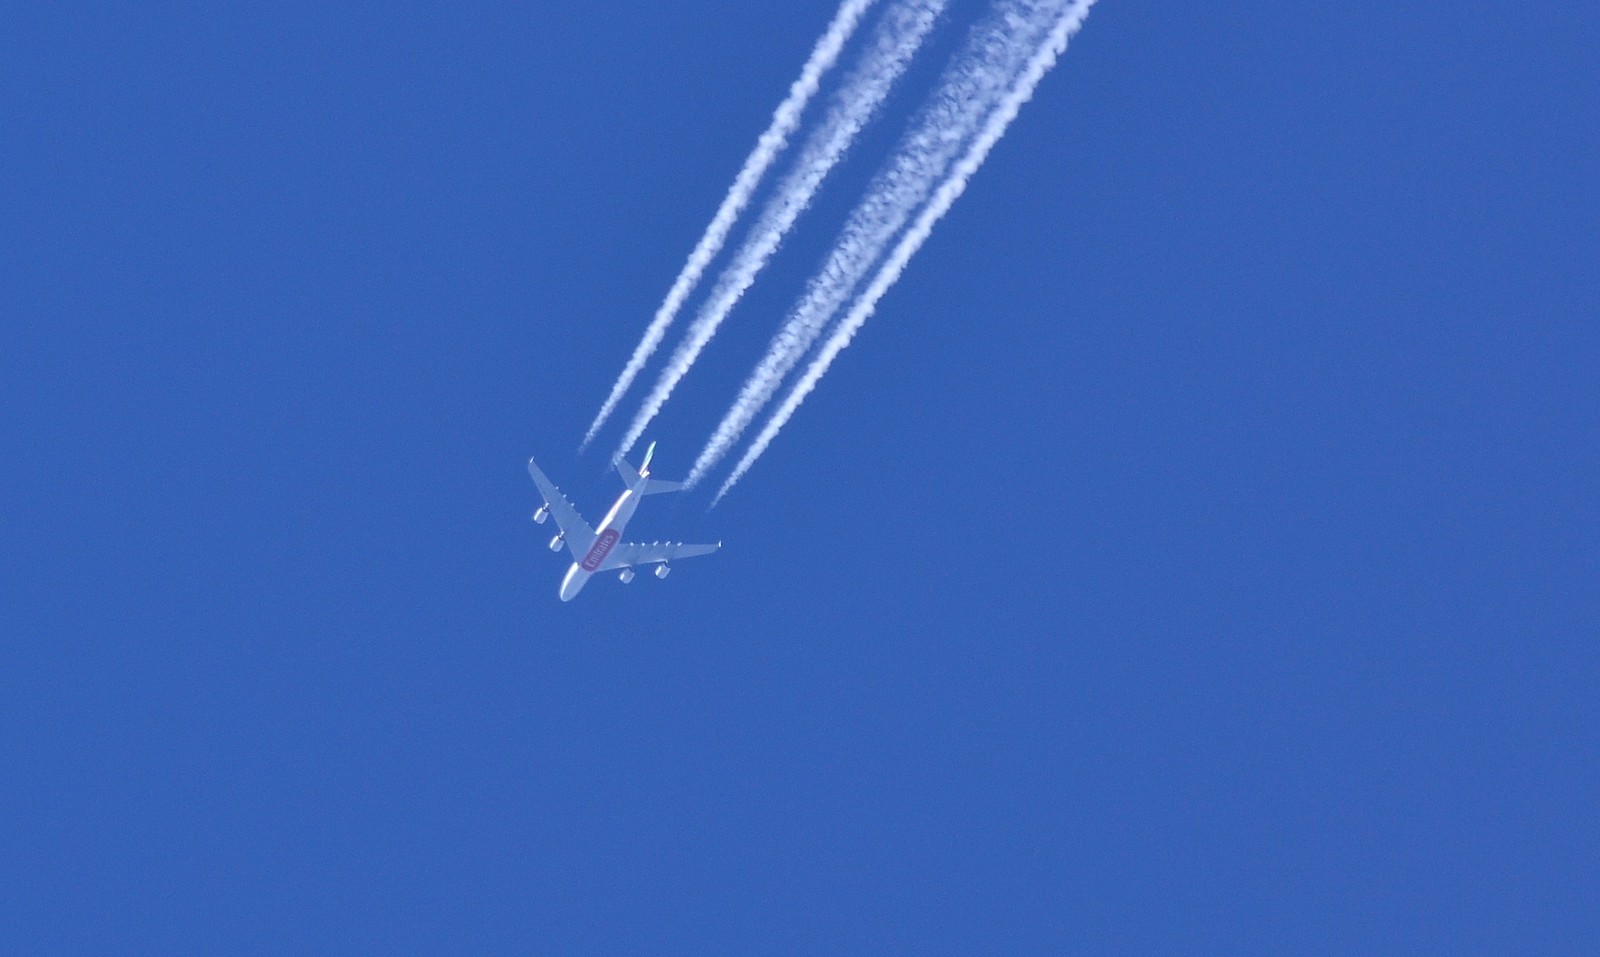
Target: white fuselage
(605, 539)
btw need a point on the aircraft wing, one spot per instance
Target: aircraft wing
(579, 536)
(636, 553)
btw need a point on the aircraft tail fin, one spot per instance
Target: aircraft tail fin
(631, 475)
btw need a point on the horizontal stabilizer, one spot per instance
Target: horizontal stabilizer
(630, 475)
(656, 486)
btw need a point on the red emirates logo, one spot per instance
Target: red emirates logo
(602, 548)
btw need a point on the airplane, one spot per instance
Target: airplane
(594, 552)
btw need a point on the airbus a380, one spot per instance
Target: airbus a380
(594, 552)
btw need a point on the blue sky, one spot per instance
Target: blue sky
(1196, 554)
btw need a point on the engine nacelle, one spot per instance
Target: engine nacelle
(662, 571)
(542, 514)
(555, 543)
(626, 576)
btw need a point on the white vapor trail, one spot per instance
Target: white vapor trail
(978, 76)
(949, 191)
(901, 33)
(784, 120)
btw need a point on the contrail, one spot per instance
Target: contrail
(768, 146)
(978, 76)
(949, 191)
(901, 33)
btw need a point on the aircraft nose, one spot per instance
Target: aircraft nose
(572, 584)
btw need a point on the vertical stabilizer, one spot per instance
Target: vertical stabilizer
(631, 476)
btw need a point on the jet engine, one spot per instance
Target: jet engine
(555, 543)
(662, 571)
(626, 576)
(542, 514)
